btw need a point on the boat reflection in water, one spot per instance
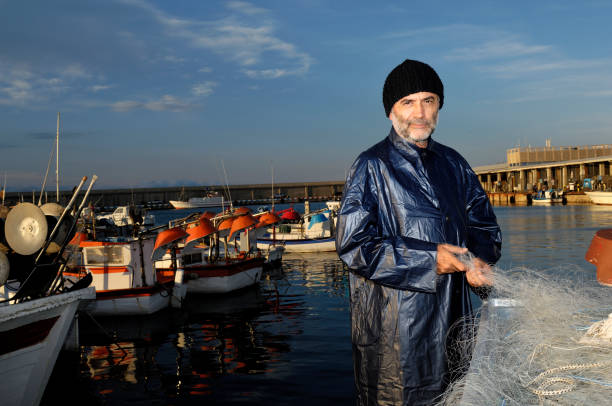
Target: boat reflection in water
(259, 344)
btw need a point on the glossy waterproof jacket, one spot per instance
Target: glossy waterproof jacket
(399, 203)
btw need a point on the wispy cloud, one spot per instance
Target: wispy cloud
(99, 88)
(165, 103)
(203, 89)
(501, 48)
(245, 7)
(251, 43)
(21, 84)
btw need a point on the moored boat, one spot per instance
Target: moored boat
(32, 334)
(220, 254)
(37, 304)
(600, 197)
(550, 196)
(311, 232)
(208, 201)
(125, 277)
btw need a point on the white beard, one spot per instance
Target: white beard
(402, 128)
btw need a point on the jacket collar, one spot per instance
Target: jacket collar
(408, 149)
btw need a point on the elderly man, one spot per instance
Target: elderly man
(410, 208)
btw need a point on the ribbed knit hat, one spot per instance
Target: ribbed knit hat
(411, 77)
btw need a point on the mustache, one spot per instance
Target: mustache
(422, 122)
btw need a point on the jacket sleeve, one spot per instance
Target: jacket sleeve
(395, 261)
(484, 236)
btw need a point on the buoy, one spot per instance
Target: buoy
(25, 228)
(600, 255)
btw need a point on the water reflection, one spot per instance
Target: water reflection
(258, 344)
(549, 236)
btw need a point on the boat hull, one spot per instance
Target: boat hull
(547, 201)
(223, 277)
(600, 197)
(301, 245)
(130, 302)
(196, 203)
(31, 336)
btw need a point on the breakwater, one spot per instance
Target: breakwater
(160, 196)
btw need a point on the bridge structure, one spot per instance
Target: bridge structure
(553, 167)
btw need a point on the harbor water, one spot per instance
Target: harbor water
(283, 342)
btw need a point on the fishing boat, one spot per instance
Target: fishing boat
(127, 216)
(212, 199)
(125, 277)
(220, 254)
(37, 304)
(549, 196)
(310, 232)
(600, 197)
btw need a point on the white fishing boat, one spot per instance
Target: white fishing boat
(32, 334)
(220, 254)
(600, 197)
(311, 232)
(125, 278)
(127, 216)
(208, 201)
(548, 197)
(37, 304)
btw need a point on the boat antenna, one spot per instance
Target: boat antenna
(227, 185)
(57, 158)
(42, 189)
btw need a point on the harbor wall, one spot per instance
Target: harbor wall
(243, 194)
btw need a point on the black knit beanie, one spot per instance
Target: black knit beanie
(411, 77)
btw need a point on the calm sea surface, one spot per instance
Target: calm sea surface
(284, 342)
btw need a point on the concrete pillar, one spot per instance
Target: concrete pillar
(305, 192)
(563, 176)
(602, 169)
(489, 182)
(582, 171)
(534, 177)
(522, 180)
(549, 176)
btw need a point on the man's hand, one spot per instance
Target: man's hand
(479, 274)
(447, 259)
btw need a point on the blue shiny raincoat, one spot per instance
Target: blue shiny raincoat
(399, 202)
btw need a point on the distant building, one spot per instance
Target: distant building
(530, 168)
(533, 155)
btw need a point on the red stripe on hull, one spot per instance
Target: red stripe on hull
(25, 336)
(132, 292)
(224, 269)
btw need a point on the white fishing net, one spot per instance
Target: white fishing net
(544, 337)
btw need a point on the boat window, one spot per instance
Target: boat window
(107, 255)
(192, 258)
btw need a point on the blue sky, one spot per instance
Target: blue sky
(163, 93)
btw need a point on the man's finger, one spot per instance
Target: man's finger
(455, 249)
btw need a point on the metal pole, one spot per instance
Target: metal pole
(57, 158)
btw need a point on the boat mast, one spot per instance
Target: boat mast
(272, 196)
(57, 158)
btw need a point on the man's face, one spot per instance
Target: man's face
(415, 116)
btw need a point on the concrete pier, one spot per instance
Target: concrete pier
(557, 175)
(159, 197)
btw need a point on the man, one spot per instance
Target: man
(410, 207)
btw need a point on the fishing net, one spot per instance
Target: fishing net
(542, 337)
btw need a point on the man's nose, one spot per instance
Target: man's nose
(418, 110)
